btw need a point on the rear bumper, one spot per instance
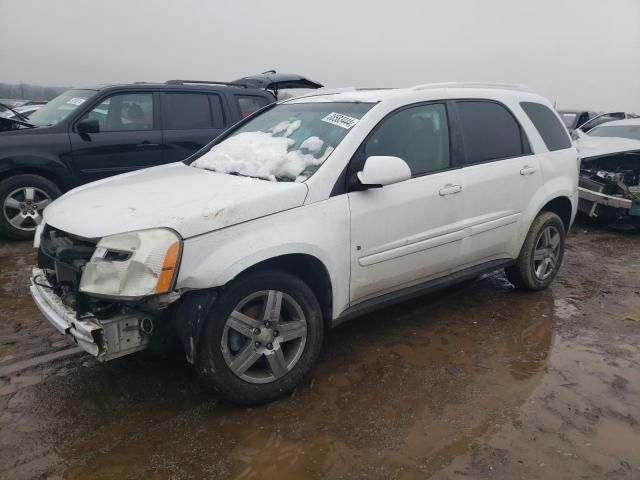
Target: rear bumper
(104, 339)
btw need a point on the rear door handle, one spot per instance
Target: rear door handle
(147, 145)
(528, 170)
(450, 189)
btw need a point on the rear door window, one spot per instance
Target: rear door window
(490, 132)
(186, 111)
(250, 103)
(553, 133)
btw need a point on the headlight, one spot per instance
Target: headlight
(133, 265)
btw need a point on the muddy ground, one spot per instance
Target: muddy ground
(478, 381)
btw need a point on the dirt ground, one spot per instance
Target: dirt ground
(479, 381)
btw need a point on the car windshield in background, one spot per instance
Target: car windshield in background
(621, 131)
(288, 142)
(5, 112)
(60, 107)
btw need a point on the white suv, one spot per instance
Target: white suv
(308, 213)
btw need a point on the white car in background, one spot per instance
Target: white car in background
(27, 110)
(610, 172)
(310, 212)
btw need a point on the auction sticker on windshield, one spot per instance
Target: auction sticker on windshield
(340, 120)
(76, 101)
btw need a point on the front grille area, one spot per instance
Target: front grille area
(63, 256)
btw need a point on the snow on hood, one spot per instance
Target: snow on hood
(590, 147)
(189, 200)
(265, 155)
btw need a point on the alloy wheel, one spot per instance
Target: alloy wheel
(547, 253)
(264, 336)
(23, 207)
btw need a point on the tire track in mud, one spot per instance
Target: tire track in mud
(12, 368)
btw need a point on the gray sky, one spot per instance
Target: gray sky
(579, 53)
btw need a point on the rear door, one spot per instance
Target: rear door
(500, 175)
(190, 120)
(129, 136)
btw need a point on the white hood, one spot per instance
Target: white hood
(596, 147)
(189, 200)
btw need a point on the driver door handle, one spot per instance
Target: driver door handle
(450, 189)
(528, 170)
(146, 144)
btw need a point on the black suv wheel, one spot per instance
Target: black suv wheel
(23, 198)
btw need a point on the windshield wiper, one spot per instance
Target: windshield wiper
(238, 174)
(21, 118)
(285, 179)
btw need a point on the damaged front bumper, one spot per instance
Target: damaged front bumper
(609, 184)
(592, 200)
(105, 339)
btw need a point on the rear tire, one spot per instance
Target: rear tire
(541, 254)
(263, 335)
(22, 200)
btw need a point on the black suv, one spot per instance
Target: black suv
(87, 134)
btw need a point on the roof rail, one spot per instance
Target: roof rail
(321, 93)
(205, 82)
(497, 86)
(332, 91)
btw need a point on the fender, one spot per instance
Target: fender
(48, 166)
(320, 230)
(42, 151)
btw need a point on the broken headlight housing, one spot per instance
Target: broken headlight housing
(133, 265)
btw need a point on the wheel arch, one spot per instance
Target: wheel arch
(53, 177)
(188, 316)
(562, 207)
(309, 269)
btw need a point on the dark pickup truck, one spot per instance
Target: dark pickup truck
(87, 134)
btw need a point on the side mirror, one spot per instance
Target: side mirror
(88, 125)
(379, 171)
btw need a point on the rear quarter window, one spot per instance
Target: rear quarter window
(248, 104)
(552, 131)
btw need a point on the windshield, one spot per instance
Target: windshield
(621, 131)
(60, 107)
(288, 142)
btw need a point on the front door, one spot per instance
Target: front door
(129, 137)
(408, 232)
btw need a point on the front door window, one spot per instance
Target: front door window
(124, 112)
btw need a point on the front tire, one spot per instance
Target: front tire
(263, 335)
(541, 254)
(22, 200)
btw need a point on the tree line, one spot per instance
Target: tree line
(25, 91)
